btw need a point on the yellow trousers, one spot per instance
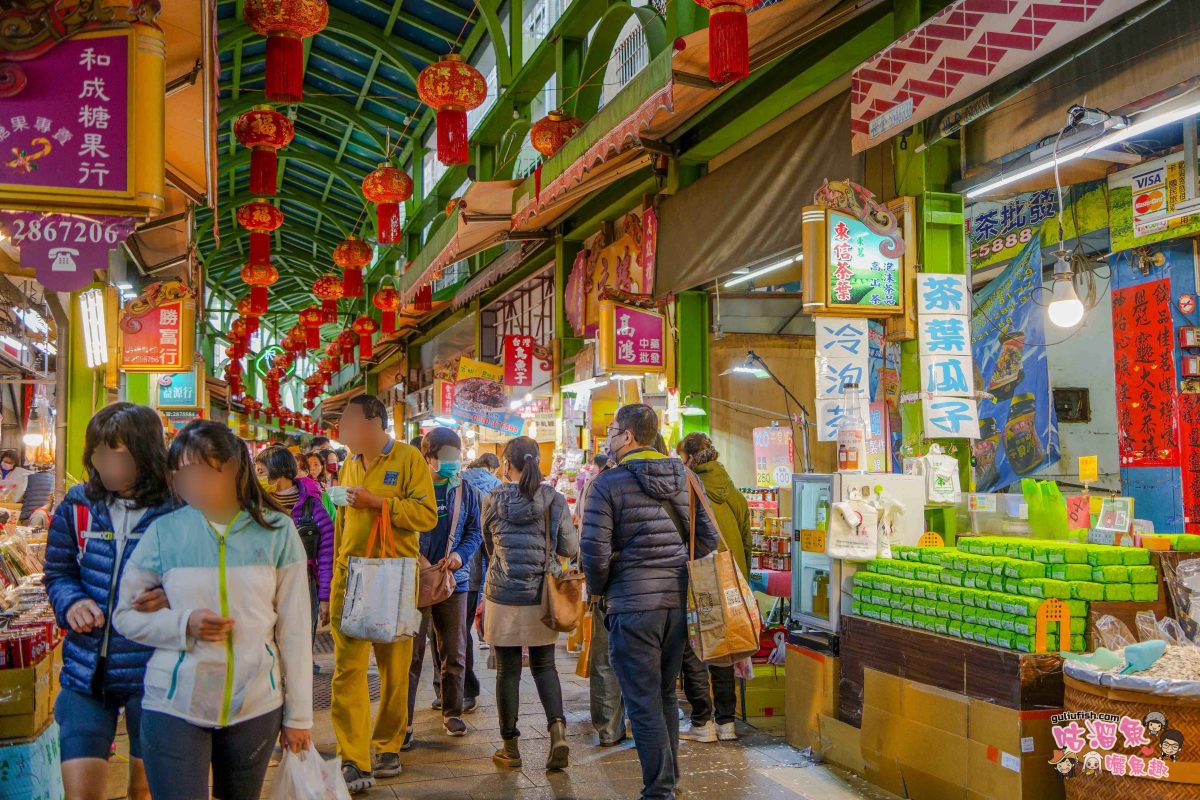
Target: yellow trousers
(351, 698)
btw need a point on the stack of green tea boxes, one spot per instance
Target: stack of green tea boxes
(988, 588)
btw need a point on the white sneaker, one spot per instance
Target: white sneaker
(706, 733)
(726, 732)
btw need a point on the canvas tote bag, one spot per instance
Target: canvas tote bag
(562, 590)
(437, 581)
(381, 592)
(723, 619)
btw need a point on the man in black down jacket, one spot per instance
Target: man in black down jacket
(635, 556)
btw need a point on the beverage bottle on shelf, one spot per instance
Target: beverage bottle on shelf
(852, 432)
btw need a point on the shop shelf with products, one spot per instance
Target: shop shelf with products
(771, 533)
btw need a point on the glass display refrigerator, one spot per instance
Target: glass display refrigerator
(818, 581)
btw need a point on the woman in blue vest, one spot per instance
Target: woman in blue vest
(92, 536)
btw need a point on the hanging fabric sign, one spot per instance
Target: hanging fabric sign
(843, 356)
(1145, 370)
(947, 370)
(526, 363)
(1018, 427)
(481, 398)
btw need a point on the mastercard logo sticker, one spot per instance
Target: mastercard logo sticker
(1149, 202)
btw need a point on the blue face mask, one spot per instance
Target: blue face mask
(449, 469)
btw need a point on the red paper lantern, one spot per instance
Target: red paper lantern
(423, 298)
(297, 339)
(452, 87)
(347, 340)
(387, 187)
(364, 326)
(552, 131)
(286, 23)
(311, 318)
(245, 308)
(728, 39)
(264, 130)
(328, 289)
(352, 255)
(258, 277)
(334, 351)
(387, 300)
(261, 219)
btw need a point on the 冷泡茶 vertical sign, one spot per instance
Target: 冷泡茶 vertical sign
(842, 357)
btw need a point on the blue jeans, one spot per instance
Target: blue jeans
(646, 650)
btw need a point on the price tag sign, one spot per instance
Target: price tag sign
(981, 502)
(1089, 469)
(812, 541)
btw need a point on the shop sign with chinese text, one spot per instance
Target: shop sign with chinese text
(158, 329)
(443, 397)
(178, 418)
(1018, 426)
(632, 340)
(526, 363)
(859, 274)
(947, 370)
(179, 389)
(842, 357)
(1143, 355)
(64, 249)
(773, 457)
(481, 398)
(71, 140)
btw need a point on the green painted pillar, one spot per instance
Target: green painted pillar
(684, 17)
(568, 64)
(137, 388)
(85, 391)
(691, 355)
(516, 38)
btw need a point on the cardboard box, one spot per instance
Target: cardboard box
(810, 690)
(1020, 733)
(841, 744)
(765, 694)
(997, 775)
(25, 699)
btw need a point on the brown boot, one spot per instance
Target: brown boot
(508, 756)
(558, 746)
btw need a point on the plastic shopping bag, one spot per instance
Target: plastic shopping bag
(307, 776)
(381, 593)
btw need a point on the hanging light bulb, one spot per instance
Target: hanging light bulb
(1065, 309)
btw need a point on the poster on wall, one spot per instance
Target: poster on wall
(1189, 458)
(773, 456)
(158, 329)
(1018, 428)
(1143, 359)
(1144, 200)
(481, 398)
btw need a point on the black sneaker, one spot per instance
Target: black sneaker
(436, 705)
(454, 726)
(387, 765)
(408, 740)
(470, 704)
(356, 780)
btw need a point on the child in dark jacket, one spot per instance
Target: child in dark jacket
(301, 496)
(92, 535)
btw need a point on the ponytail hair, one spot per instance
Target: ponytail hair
(524, 453)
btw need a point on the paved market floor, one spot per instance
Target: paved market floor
(760, 766)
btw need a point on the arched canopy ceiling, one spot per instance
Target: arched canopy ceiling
(359, 93)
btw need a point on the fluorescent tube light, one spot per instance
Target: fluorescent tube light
(749, 276)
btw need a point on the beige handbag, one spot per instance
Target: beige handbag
(436, 581)
(562, 591)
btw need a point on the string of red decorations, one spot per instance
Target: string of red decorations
(264, 131)
(286, 24)
(387, 187)
(452, 87)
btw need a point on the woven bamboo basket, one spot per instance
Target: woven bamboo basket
(1183, 715)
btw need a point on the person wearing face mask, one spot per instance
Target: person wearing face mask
(13, 478)
(301, 497)
(453, 541)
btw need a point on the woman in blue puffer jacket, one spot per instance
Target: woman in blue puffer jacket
(92, 536)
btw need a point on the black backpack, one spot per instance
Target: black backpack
(310, 532)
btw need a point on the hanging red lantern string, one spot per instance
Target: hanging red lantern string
(452, 87)
(328, 289)
(264, 130)
(423, 297)
(298, 337)
(547, 136)
(364, 326)
(387, 187)
(244, 307)
(286, 24)
(258, 277)
(311, 318)
(387, 300)
(728, 39)
(261, 219)
(352, 255)
(347, 340)
(334, 351)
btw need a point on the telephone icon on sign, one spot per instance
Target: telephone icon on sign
(63, 259)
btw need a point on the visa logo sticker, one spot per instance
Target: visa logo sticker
(390, 478)
(1147, 179)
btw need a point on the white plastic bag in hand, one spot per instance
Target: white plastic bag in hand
(306, 776)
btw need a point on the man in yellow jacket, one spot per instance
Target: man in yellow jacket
(380, 468)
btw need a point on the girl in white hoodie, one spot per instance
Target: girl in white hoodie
(232, 668)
